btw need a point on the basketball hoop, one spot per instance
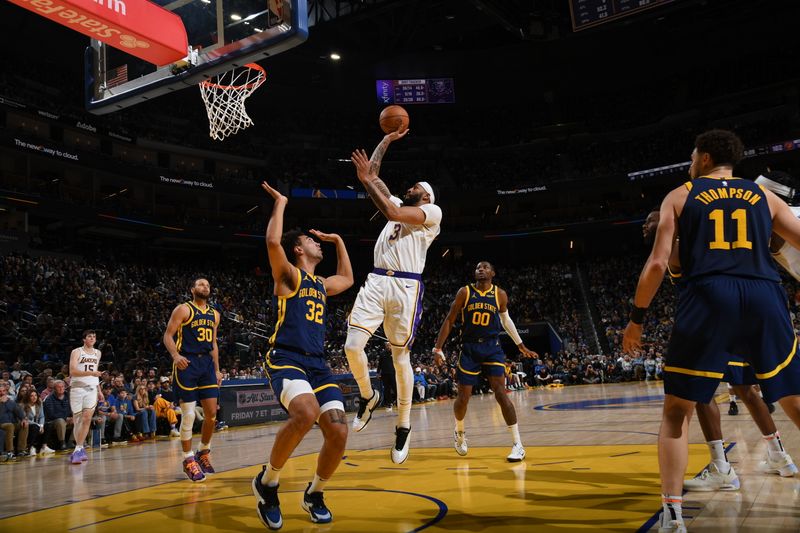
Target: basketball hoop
(224, 96)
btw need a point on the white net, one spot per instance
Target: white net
(225, 95)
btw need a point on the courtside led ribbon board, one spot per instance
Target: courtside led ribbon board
(138, 27)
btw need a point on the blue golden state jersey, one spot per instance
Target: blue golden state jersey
(480, 316)
(724, 229)
(196, 334)
(300, 326)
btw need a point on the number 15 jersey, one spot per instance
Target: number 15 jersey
(300, 324)
(725, 227)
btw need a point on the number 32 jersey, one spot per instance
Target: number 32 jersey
(300, 325)
(724, 229)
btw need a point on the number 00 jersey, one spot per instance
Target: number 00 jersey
(196, 335)
(300, 326)
(725, 227)
(480, 315)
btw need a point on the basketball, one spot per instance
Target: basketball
(393, 118)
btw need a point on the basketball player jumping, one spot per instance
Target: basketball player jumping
(741, 379)
(84, 372)
(196, 373)
(483, 307)
(298, 371)
(392, 293)
(731, 300)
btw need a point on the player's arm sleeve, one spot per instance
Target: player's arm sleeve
(433, 215)
(510, 328)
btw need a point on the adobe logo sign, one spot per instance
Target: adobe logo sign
(137, 27)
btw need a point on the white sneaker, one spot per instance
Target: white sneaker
(460, 442)
(673, 526)
(517, 453)
(365, 408)
(47, 450)
(782, 465)
(32, 451)
(400, 448)
(174, 433)
(712, 480)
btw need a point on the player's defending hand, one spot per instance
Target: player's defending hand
(327, 237)
(526, 352)
(361, 161)
(181, 362)
(277, 196)
(438, 357)
(632, 338)
(395, 135)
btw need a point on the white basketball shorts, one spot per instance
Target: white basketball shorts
(396, 302)
(82, 397)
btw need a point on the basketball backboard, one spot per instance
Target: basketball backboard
(223, 34)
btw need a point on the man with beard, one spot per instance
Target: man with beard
(195, 370)
(392, 294)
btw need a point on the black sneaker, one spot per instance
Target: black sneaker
(267, 505)
(401, 444)
(733, 409)
(365, 408)
(314, 505)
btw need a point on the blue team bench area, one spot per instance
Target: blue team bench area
(251, 401)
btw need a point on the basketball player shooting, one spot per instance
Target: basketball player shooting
(392, 293)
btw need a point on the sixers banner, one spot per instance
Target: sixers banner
(137, 27)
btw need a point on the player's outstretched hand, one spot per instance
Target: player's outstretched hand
(327, 237)
(397, 134)
(438, 357)
(361, 161)
(526, 352)
(632, 338)
(277, 196)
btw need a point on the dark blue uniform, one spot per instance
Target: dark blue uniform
(480, 328)
(298, 343)
(732, 301)
(195, 341)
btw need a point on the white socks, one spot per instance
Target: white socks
(204, 446)
(357, 360)
(672, 509)
(405, 385)
(515, 434)
(271, 476)
(459, 425)
(718, 457)
(317, 485)
(774, 444)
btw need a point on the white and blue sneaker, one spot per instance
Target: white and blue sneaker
(314, 505)
(781, 464)
(712, 480)
(267, 506)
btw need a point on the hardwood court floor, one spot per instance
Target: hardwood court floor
(591, 464)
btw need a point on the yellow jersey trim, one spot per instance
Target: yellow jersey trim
(328, 386)
(497, 298)
(719, 179)
(483, 293)
(688, 185)
(181, 385)
(737, 363)
(690, 372)
(465, 303)
(466, 371)
(186, 323)
(495, 364)
(299, 282)
(282, 367)
(781, 366)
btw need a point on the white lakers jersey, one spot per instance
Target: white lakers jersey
(403, 247)
(88, 362)
(788, 256)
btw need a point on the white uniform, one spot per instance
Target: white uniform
(83, 390)
(788, 256)
(392, 299)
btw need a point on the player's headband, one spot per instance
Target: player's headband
(784, 191)
(427, 186)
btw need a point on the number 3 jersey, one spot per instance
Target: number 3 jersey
(196, 335)
(404, 247)
(300, 324)
(480, 315)
(724, 229)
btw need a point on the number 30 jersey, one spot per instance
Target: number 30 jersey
(300, 324)
(724, 229)
(480, 315)
(196, 335)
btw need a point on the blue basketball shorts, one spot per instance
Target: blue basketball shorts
(477, 357)
(198, 381)
(287, 365)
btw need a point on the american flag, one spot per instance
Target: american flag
(116, 76)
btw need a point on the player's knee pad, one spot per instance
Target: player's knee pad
(187, 420)
(292, 388)
(333, 404)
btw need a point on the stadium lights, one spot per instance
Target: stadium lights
(236, 17)
(252, 209)
(335, 56)
(446, 252)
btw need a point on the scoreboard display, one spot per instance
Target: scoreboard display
(420, 91)
(588, 13)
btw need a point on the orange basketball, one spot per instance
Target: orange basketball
(393, 118)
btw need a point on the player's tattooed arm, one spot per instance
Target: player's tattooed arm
(380, 150)
(381, 187)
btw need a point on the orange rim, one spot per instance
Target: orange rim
(251, 85)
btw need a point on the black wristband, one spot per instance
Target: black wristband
(637, 314)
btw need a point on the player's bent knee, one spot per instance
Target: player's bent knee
(187, 420)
